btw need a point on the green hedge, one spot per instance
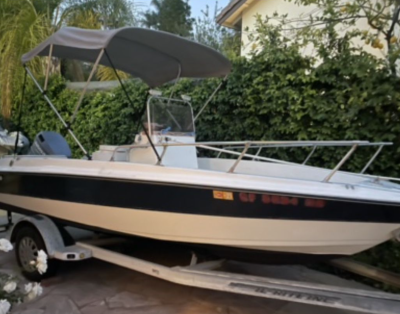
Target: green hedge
(261, 100)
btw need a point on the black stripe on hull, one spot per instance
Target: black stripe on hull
(192, 200)
(206, 250)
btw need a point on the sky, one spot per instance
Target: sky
(197, 5)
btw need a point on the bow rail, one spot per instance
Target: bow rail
(229, 148)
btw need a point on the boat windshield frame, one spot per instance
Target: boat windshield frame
(169, 102)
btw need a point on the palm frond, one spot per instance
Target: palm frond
(20, 32)
(84, 19)
(107, 74)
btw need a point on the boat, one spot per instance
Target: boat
(235, 204)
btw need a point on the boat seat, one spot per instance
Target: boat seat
(111, 153)
(50, 143)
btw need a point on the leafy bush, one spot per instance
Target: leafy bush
(277, 95)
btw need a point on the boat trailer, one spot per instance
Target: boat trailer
(208, 276)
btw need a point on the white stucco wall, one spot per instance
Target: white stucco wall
(268, 7)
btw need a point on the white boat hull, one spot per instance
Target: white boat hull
(80, 193)
(292, 236)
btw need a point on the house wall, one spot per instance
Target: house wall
(268, 7)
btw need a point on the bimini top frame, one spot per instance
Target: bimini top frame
(153, 56)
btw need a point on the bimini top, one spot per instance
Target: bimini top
(155, 57)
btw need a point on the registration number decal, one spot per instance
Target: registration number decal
(221, 195)
(281, 200)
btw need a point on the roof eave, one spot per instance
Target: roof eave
(231, 14)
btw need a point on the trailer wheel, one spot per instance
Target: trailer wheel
(27, 245)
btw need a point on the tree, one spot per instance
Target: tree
(26, 23)
(170, 16)
(381, 16)
(22, 28)
(97, 14)
(208, 32)
(111, 13)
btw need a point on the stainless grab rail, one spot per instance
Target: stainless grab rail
(246, 145)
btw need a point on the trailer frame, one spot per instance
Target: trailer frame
(208, 276)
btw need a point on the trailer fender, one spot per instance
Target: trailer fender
(50, 233)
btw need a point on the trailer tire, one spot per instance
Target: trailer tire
(28, 243)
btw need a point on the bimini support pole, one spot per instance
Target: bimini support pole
(210, 98)
(56, 111)
(131, 103)
(20, 114)
(78, 104)
(46, 81)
